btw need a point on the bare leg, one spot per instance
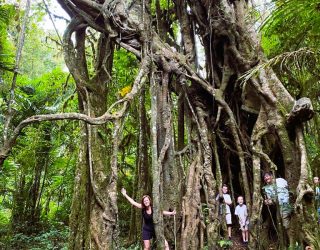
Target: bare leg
(166, 245)
(244, 236)
(229, 224)
(229, 232)
(146, 244)
(247, 235)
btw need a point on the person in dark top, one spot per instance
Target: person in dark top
(148, 227)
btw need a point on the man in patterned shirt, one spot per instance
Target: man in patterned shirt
(276, 191)
(317, 195)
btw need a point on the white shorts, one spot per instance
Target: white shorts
(228, 219)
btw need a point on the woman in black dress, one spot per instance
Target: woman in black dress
(148, 226)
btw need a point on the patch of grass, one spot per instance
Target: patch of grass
(225, 244)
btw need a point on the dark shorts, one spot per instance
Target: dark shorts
(147, 234)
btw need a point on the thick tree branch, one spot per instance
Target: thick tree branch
(233, 126)
(260, 129)
(110, 115)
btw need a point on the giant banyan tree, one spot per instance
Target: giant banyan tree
(202, 127)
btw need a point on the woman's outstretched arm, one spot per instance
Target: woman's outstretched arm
(132, 201)
(169, 213)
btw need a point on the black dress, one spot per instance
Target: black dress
(148, 226)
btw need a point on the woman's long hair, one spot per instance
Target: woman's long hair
(142, 204)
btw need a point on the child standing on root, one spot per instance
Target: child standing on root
(148, 227)
(242, 213)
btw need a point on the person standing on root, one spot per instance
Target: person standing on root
(242, 213)
(276, 191)
(225, 202)
(317, 195)
(148, 227)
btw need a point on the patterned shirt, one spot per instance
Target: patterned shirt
(317, 196)
(278, 189)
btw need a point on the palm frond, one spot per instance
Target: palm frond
(299, 59)
(295, 23)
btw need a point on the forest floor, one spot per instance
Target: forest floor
(237, 241)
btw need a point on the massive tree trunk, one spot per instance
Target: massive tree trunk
(245, 120)
(93, 219)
